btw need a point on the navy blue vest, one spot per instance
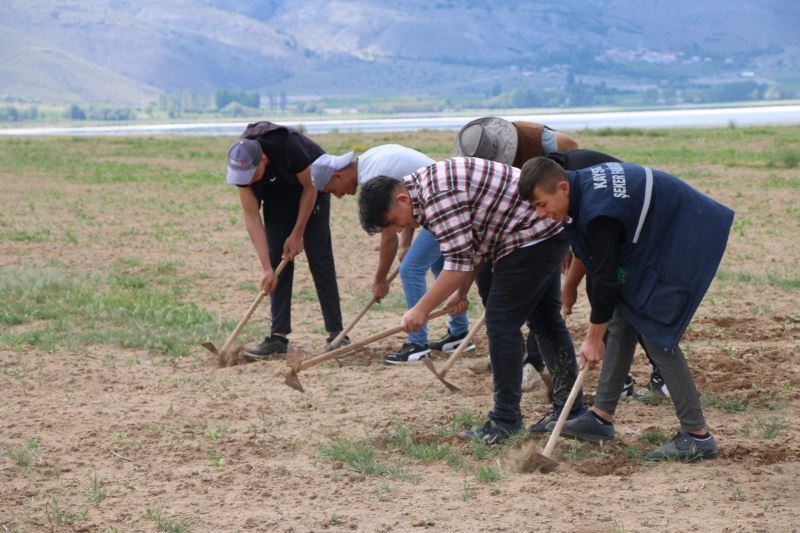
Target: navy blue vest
(674, 240)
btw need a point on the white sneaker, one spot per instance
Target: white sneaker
(530, 378)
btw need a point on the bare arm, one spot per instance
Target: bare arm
(294, 243)
(406, 236)
(565, 143)
(258, 235)
(388, 251)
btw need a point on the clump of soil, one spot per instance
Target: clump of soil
(233, 356)
(530, 459)
(616, 464)
(762, 454)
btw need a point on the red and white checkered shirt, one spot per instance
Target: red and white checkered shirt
(472, 208)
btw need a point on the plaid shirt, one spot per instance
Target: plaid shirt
(472, 208)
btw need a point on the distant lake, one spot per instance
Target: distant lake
(741, 116)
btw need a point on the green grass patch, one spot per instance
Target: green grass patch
(786, 157)
(630, 132)
(56, 516)
(488, 474)
(39, 235)
(735, 405)
(23, 455)
(217, 459)
(97, 492)
(169, 524)
(403, 440)
(459, 421)
(360, 456)
(633, 454)
(577, 451)
(777, 182)
(649, 398)
(773, 279)
(770, 427)
(655, 437)
(122, 309)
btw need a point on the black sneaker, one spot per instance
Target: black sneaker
(449, 343)
(548, 421)
(627, 389)
(345, 341)
(409, 353)
(685, 447)
(272, 345)
(657, 385)
(490, 433)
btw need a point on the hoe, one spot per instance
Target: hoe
(230, 351)
(296, 362)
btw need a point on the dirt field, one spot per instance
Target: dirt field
(118, 256)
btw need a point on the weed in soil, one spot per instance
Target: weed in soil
(96, 491)
(488, 474)
(360, 456)
(654, 436)
(168, 524)
(728, 404)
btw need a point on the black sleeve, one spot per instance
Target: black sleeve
(301, 152)
(581, 158)
(604, 236)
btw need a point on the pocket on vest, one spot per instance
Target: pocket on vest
(660, 299)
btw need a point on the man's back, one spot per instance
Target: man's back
(473, 205)
(391, 160)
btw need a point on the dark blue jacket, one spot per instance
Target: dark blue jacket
(674, 240)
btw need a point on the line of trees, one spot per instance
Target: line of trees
(92, 112)
(223, 97)
(12, 113)
(574, 93)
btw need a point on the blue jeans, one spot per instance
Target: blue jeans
(425, 254)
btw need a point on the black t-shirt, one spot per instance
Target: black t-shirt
(289, 152)
(604, 235)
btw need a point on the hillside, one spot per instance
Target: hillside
(127, 52)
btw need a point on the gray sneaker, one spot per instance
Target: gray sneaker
(685, 447)
(588, 428)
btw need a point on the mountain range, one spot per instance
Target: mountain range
(129, 51)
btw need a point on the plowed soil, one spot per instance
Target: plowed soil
(235, 449)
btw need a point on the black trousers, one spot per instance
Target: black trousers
(280, 214)
(526, 285)
(531, 347)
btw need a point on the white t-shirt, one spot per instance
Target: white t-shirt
(390, 160)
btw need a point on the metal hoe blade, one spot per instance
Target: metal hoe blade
(208, 345)
(294, 359)
(452, 388)
(455, 356)
(543, 464)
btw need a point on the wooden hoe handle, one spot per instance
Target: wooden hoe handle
(250, 311)
(356, 345)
